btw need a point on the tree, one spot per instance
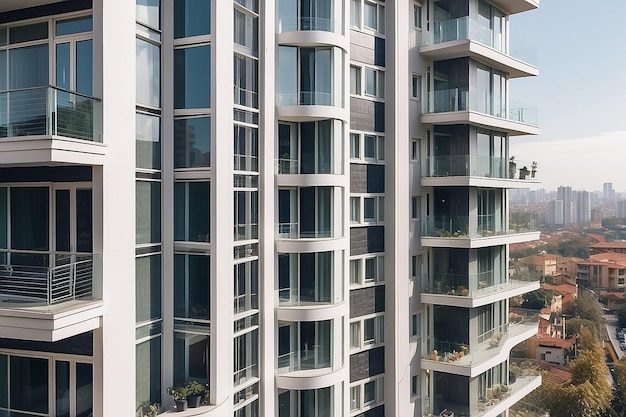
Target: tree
(621, 316)
(538, 299)
(573, 326)
(588, 393)
(587, 307)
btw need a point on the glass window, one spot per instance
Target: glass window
(148, 209)
(148, 288)
(370, 18)
(148, 74)
(191, 211)
(370, 269)
(370, 82)
(192, 18)
(148, 370)
(27, 33)
(192, 77)
(415, 150)
(148, 135)
(416, 87)
(355, 271)
(355, 80)
(415, 207)
(355, 141)
(369, 209)
(29, 218)
(369, 392)
(77, 25)
(355, 209)
(191, 286)
(381, 147)
(381, 209)
(29, 384)
(368, 331)
(149, 13)
(246, 30)
(355, 397)
(370, 146)
(355, 334)
(191, 357)
(355, 13)
(28, 67)
(417, 16)
(192, 142)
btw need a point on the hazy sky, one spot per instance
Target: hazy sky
(580, 92)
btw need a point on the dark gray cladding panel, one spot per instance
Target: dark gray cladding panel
(364, 301)
(367, 240)
(367, 364)
(358, 178)
(375, 178)
(362, 114)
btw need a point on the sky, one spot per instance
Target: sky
(580, 49)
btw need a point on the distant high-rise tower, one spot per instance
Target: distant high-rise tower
(564, 193)
(608, 193)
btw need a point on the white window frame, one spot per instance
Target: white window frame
(416, 87)
(417, 16)
(379, 82)
(357, 147)
(379, 209)
(357, 394)
(360, 264)
(415, 150)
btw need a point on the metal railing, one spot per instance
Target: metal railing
(246, 163)
(308, 98)
(294, 166)
(293, 231)
(486, 225)
(300, 360)
(471, 286)
(248, 98)
(21, 284)
(297, 296)
(42, 111)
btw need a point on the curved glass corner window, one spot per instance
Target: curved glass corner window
(313, 15)
(148, 58)
(192, 142)
(191, 286)
(192, 77)
(192, 18)
(191, 211)
(77, 25)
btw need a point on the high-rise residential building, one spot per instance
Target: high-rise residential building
(583, 207)
(565, 194)
(608, 193)
(302, 204)
(554, 215)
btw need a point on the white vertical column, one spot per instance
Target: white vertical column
(222, 203)
(114, 342)
(268, 195)
(397, 201)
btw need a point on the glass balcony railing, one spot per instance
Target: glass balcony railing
(245, 302)
(477, 226)
(314, 357)
(246, 231)
(293, 297)
(64, 277)
(293, 231)
(477, 350)
(465, 165)
(248, 98)
(465, 285)
(292, 24)
(309, 98)
(295, 166)
(50, 111)
(246, 163)
(464, 28)
(481, 101)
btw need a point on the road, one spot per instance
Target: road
(611, 325)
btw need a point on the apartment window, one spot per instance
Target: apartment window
(148, 136)
(371, 393)
(148, 288)
(373, 330)
(148, 208)
(415, 325)
(355, 271)
(416, 87)
(415, 150)
(355, 13)
(417, 16)
(192, 77)
(191, 211)
(192, 18)
(246, 282)
(355, 335)
(148, 89)
(312, 82)
(246, 77)
(414, 385)
(374, 16)
(416, 265)
(191, 288)
(355, 210)
(415, 207)
(192, 142)
(355, 80)
(246, 31)
(369, 209)
(374, 83)
(355, 398)
(355, 148)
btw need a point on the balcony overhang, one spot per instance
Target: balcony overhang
(481, 297)
(50, 323)
(50, 150)
(10, 5)
(473, 181)
(516, 6)
(516, 68)
(486, 121)
(479, 242)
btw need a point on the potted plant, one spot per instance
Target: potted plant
(512, 167)
(195, 391)
(148, 409)
(523, 173)
(180, 394)
(533, 169)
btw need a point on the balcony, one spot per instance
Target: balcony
(50, 125)
(479, 354)
(49, 303)
(464, 37)
(465, 105)
(304, 360)
(285, 166)
(248, 231)
(309, 98)
(293, 24)
(497, 400)
(292, 231)
(470, 291)
(475, 171)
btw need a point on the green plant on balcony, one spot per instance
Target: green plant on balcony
(148, 409)
(523, 172)
(512, 167)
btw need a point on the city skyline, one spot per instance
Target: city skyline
(582, 130)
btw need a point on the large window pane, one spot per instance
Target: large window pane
(149, 13)
(29, 384)
(84, 390)
(148, 288)
(192, 142)
(148, 207)
(28, 67)
(27, 33)
(191, 211)
(77, 25)
(148, 74)
(191, 357)
(84, 67)
(4, 381)
(29, 218)
(192, 18)
(191, 286)
(148, 371)
(148, 135)
(192, 77)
